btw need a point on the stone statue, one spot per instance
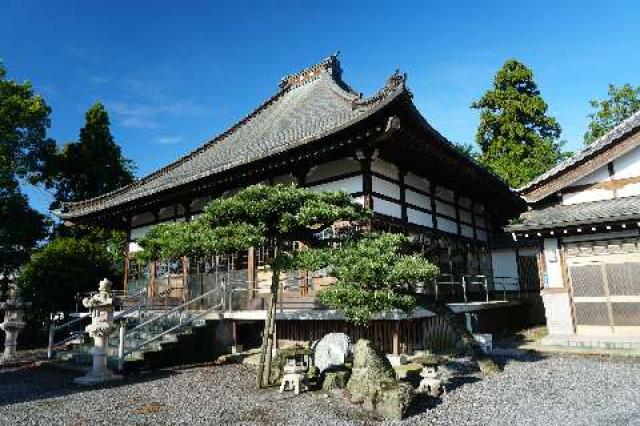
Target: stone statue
(101, 306)
(13, 312)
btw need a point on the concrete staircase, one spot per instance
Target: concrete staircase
(190, 343)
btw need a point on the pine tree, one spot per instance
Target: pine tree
(518, 140)
(92, 166)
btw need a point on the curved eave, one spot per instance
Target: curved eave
(474, 165)
(389, 98)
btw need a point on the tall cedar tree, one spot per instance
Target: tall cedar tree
(621, 103)
(518, 140)
(24, 154)
(92, 166)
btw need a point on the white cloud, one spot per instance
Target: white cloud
(150, 115)
(168, 139)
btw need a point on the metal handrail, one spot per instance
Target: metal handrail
(175, 327)
(52, 331)
(53, 327)
(173, 310)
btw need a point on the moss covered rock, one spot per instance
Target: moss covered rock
(393, 400)
(336, 379)
(370, 369)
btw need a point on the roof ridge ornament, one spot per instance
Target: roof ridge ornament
(396, 81)
(329, 65)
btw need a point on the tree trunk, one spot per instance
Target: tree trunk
(266, 350)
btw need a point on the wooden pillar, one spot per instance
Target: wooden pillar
(251, 274)
(403, 195)
(432, 191)
(125, 279)
(396, 338)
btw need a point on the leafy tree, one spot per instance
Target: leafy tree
(24, 154)
(466, 149)
(92, 166)
(620, 104)
(517, 138)
(374, 275)
(275, 215)
(24, 147)
(62, 268)
(21, 227)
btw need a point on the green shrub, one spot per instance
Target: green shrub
(61, 269)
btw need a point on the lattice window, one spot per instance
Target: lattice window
(624, 279)
(587, 281)
(592, 314)
(625, 314)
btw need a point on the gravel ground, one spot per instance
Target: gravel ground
(549, 391)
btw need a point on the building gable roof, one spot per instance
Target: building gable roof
(593, 156)
(308, 105)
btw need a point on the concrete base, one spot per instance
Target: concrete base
(592, 342)
(91, 380)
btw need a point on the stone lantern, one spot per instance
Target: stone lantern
(101, 306)
(13, 323)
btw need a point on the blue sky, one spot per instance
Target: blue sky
(174, 74)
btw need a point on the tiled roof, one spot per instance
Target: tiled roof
(629, 125)
(309, 105)
(618, 209)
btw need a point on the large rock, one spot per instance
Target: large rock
(332, 350)
(370, 370)
(394, 400)
(335, 379)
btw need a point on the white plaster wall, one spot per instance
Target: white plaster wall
(141, 218)
(466, 231)
(137, 233)
(628, 165)
(386, 207)
(385, 187)
(134, 247)
(416, 181)
(587, 196)
(333, 168)
(553, 270)
(417, 199)
(465, 216)
(504, 263)
(557, 309)
(420, 218)
(350, 185)
(445, 193)
(629, 190)
(385, 168)
(445, 209)
(447, 225)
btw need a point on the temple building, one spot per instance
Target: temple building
(585, 216)
(317, 132)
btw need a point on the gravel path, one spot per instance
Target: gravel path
(549, 391)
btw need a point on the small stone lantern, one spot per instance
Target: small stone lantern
(101, 306)
(294, 371)
(13, 323)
